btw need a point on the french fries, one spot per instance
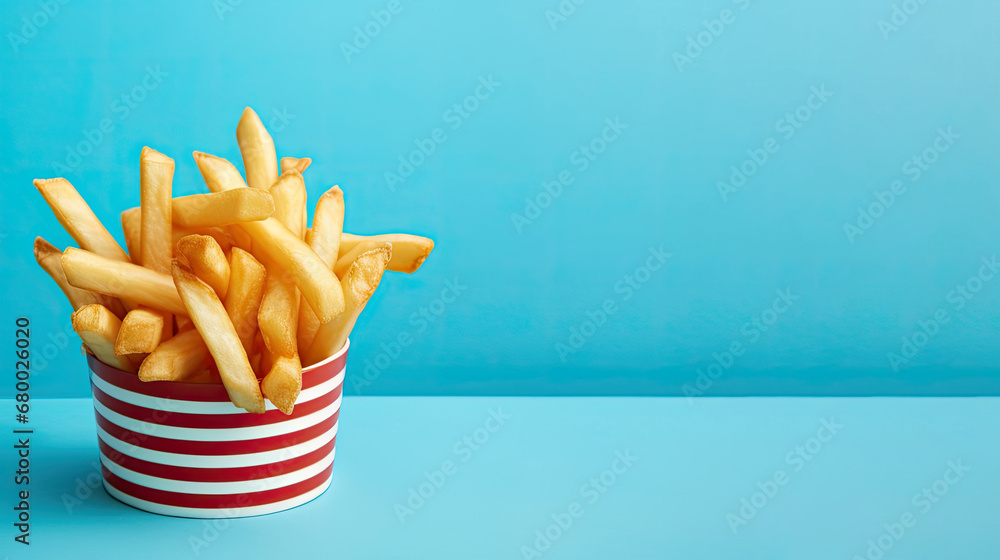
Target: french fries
(247, 279)
(79, 220)
(289, 193)
(324, 239)
(141, 332)
(408, 251)
(257, 147)
(206, 258)
(179, 359)
(294, 163)
(360, 283)
(317, 282)
(223, 209)
(88, 271)
(98, 327)
(283, 382)
(156, 178)
(212, 321)
(230, 287)
(50, 259)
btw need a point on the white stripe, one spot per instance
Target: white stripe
(215, 488)
(230, 513)
(217, 461)
(199, 407)
(218, 434)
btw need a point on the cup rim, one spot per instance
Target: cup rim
(339, 354)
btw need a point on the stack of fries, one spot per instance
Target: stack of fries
(229, 287)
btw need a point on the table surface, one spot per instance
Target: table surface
(821, 478)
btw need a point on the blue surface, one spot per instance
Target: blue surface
(694, 463)
(890, 91)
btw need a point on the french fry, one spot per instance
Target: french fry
(289, 193)
(206, 258)
(98, 327)
(278, 317)
(246, 290)
(223, 209)
(78, 219)
(181, 358)
(88, 271)
(225, 236)
(298, 164)
(408, 251)
(360, 283)
(50, 259)
(156, 178)
(345, 262)
(324, 239)
(259, 158)
(283, 383)
(212, 321)
(328, 226)
(141, 332)
(313, 277)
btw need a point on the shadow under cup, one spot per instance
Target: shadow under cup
(183, 449)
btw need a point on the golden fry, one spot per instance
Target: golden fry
(78, 219)
(141, 332)
(98, 327)
(317, 282)
(223, 209)
(360, 283)
(296, 164)
(225, 236)
(181, 358)
(88, 271)
(212, 321)
(156, 178)
(208, 261)
(289, 193)
(278, 318)
(347, 260)
(259, 158)
(283, 383)
(328, 226)
(246, 290)
(408, 251)
(50, 259)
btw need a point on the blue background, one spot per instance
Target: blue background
(656, 185)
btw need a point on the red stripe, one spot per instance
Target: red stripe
(232, 474)
(201, 392)
(216, 448)
(212, 501)
(213, 421)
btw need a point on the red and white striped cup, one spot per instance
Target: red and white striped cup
(184, 449)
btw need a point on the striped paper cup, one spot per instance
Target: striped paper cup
(184, 449)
